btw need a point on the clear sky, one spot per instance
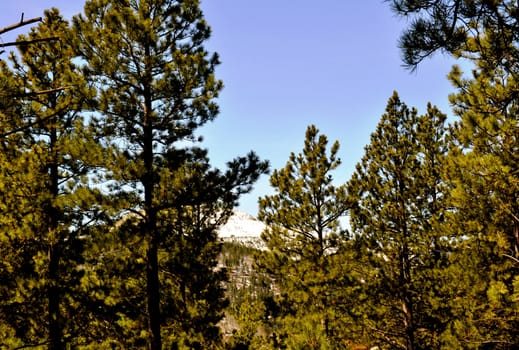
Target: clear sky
(288, 64)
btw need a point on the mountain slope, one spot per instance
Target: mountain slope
(243, 228)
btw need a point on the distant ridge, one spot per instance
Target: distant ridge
(243, 228)
(241, 224)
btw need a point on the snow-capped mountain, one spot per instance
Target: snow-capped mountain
(242, 227)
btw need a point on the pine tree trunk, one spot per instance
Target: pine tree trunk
(152, 268)
(153, 294)
(55, 333)
(54, 290)
(152, 273)
(407, 302)
(405, 269)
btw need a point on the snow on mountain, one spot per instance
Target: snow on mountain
(241, 224)
(243, 228)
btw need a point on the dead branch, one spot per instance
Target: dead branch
(36, 93)
(20, 24)
(43, 92)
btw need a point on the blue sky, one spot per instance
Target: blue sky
(288, 64)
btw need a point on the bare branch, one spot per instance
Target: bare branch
(511, 257)
(20, 24)
(36, 93)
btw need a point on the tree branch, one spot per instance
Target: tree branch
(20, 24)
(28, 42)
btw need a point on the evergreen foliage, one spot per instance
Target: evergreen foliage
(483, 166)
(480, 30)
(156, 86)
(485, 183)
(192, 294)
(305, 242)
(109, 221)
(46, 202)
(399, 197)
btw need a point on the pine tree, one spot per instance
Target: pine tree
(479, 30)
(483, 175)
(305, 242)
(399, 195)
(483, 171)
(156, 86)
(193, 297)
(51, 153)
(13, 219)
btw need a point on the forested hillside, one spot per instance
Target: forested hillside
(111, 212)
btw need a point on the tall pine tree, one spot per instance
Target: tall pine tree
(399, 195)
(47, 200)
(483, 175)
(156, 86)
(483, 171)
